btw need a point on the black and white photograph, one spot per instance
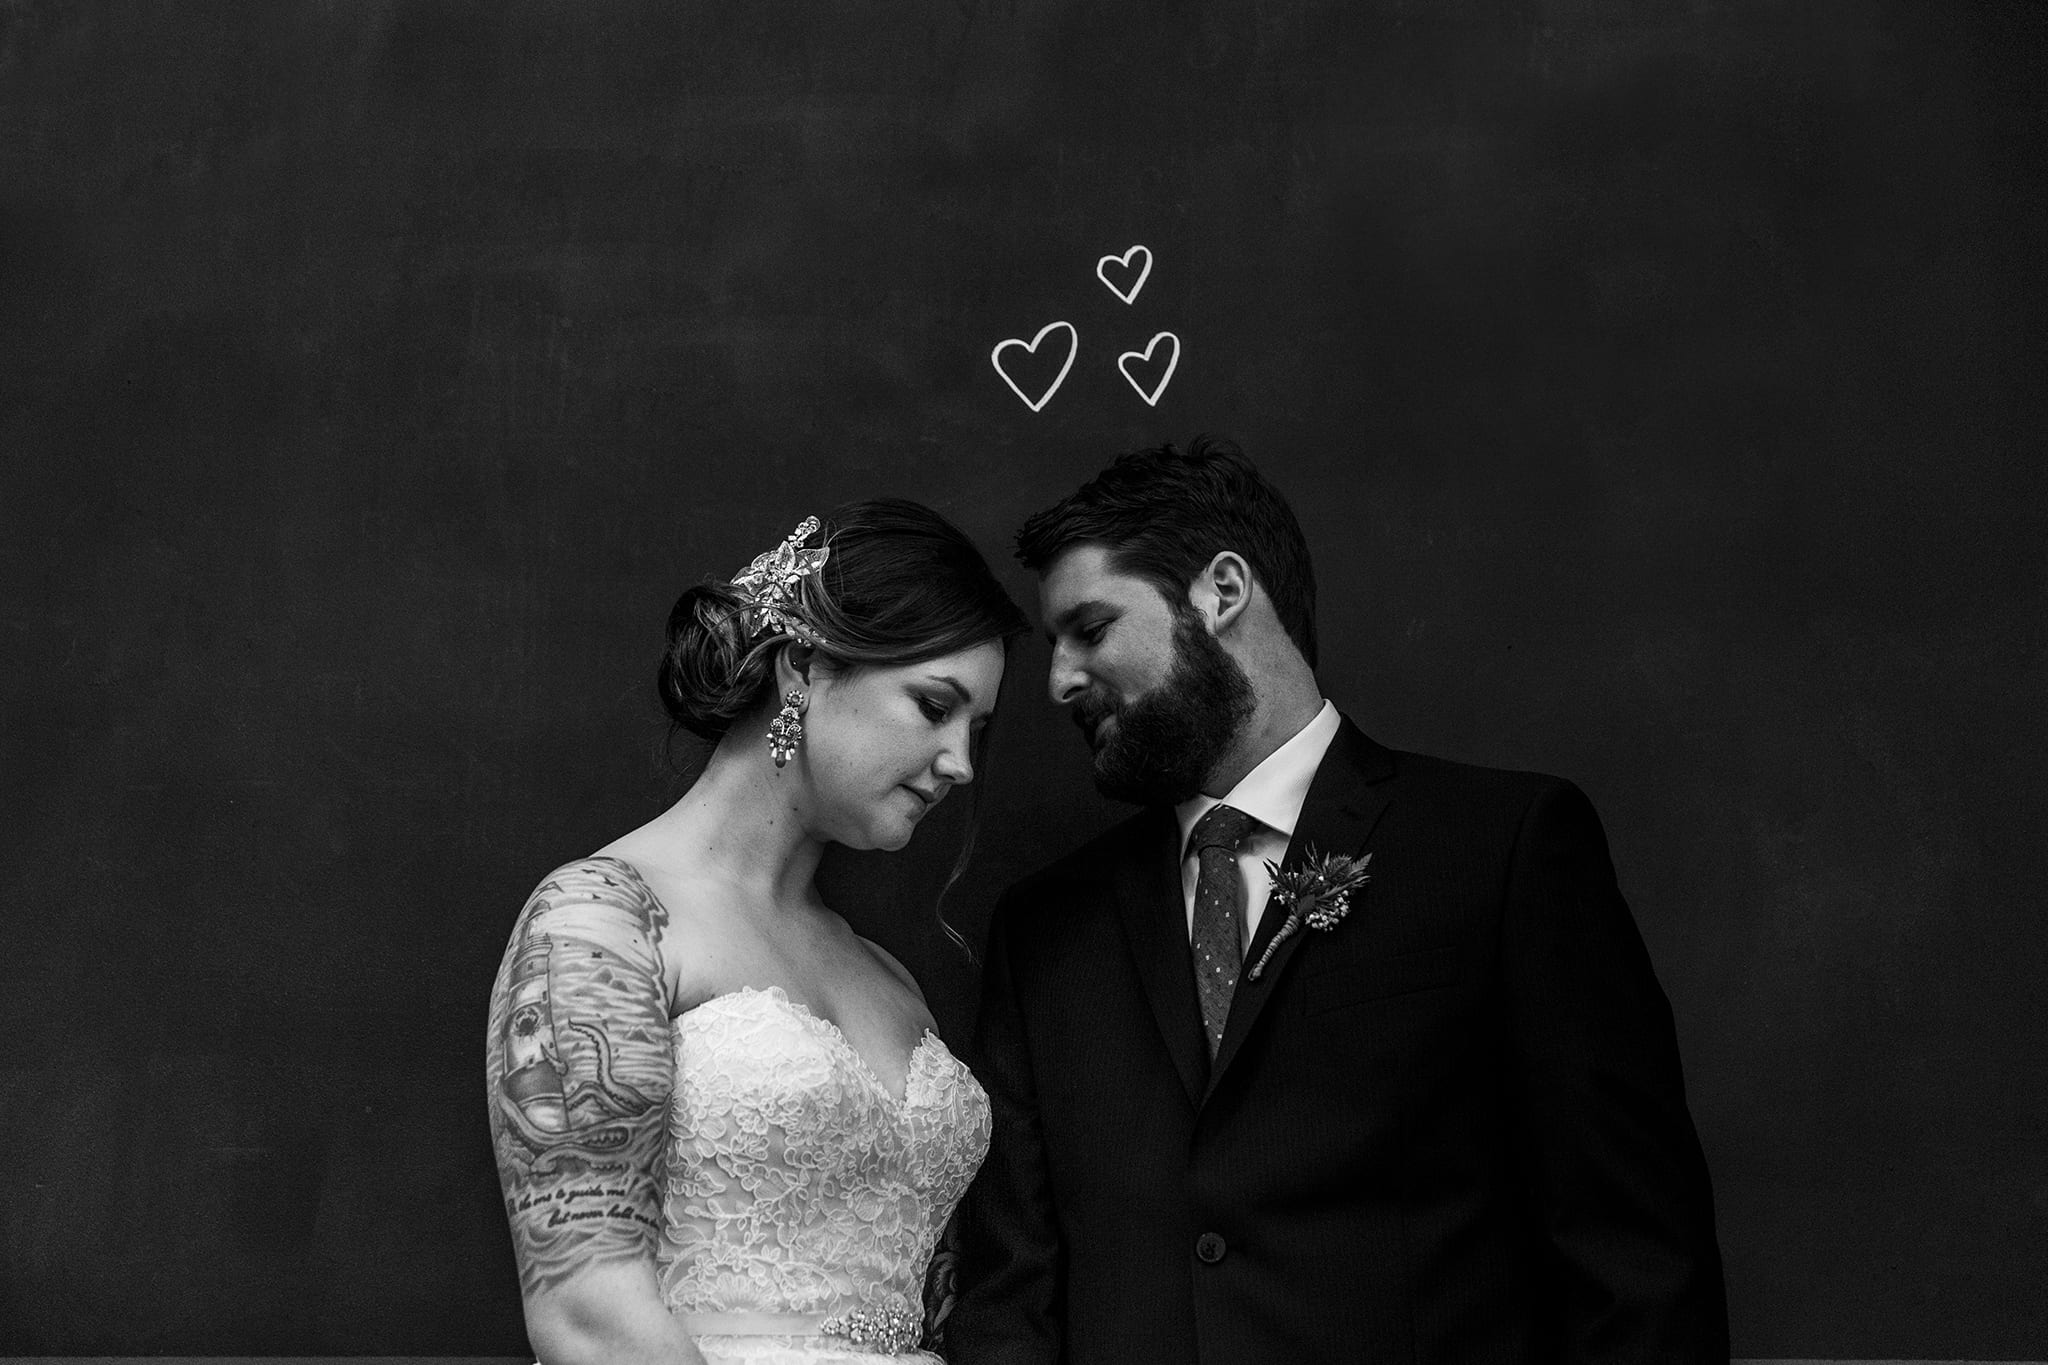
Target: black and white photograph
(1024, 682)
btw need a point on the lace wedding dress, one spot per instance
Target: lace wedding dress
(803, 1199)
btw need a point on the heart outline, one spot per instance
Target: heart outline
(1125, 261)
(1123, 365)
(995, 358)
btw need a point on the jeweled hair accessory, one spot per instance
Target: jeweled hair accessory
(770, 583)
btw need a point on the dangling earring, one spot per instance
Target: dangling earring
(786, 731)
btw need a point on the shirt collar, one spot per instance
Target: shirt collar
(1273, 792)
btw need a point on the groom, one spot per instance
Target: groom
(1437, 1120)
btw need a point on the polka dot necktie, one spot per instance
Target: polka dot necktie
(1218, 939)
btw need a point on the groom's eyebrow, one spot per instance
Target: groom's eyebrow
(1071, 615)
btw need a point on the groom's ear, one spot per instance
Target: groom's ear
(1222, 590)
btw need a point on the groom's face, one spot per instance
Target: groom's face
(1159, 700)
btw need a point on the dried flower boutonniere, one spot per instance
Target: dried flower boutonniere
(1316, 894)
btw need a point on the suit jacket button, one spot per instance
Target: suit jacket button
(1209, 1248)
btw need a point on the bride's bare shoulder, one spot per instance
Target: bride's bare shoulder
(894, 967)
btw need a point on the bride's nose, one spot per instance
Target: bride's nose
(953, 765)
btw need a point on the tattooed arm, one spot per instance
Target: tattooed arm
(580, 1073)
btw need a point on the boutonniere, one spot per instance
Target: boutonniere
(1316, 894)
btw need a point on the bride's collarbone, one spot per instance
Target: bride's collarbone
(719, 941)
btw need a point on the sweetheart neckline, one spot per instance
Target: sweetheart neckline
(797, 1007)
(834, 1034)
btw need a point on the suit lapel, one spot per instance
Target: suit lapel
(1350, 790)
(1148, 898)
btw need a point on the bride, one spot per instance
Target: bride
(724, 1127)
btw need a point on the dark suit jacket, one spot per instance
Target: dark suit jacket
(1451, 1128)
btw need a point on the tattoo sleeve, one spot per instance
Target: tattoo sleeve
(580, 1072)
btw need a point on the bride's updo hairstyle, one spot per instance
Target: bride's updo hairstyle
(900, 585)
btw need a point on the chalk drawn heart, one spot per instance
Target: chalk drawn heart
(1144, 272)
(1031, 348)
(1123, 362)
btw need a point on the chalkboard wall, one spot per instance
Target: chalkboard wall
(1659, 385)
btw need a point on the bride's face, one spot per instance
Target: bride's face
(883, 745)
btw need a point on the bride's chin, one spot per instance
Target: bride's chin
(887, 835)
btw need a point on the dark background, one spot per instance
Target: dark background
(1656, 382)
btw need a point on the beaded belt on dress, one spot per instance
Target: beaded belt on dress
(886, 1331)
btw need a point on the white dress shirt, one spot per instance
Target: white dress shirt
(1272, 794)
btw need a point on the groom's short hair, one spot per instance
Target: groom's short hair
(1164, 513)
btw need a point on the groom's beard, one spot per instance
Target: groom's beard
(1160, 747)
